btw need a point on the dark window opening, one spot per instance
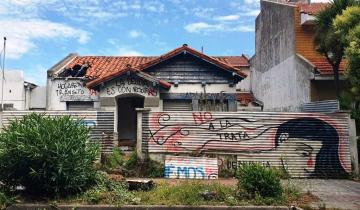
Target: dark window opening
(79, 105)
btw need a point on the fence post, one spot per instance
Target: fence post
(353, 147)
(139, 130)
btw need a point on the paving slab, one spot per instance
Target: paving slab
(333, 193)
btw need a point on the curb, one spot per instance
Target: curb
(138, 207)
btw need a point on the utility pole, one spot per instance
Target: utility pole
(3, 77)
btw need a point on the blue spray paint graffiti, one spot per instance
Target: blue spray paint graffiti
(89, 123)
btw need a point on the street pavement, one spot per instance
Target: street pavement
(333, 193)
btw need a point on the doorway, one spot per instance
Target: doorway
(127, 119)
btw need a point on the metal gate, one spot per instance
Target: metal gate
(303, 144)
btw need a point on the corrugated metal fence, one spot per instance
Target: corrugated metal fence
(303, 144)
(102, 123)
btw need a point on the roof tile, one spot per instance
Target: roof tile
(313, 8)
(324, 68)
(104, 66)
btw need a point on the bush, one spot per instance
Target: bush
(257, 180)
(154, 169)
(5, 200)
(144, 168)
(47, 155)
(107, 191)
(115, 159)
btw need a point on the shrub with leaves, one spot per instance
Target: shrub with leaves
(257, 180)
(115, 159)
(144, 168)
(107, 191)
(51, 156)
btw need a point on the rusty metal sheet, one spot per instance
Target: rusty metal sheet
(185, 167)
(304, 144)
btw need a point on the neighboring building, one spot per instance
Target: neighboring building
(286, 71)
(16, 98)
(181, 80)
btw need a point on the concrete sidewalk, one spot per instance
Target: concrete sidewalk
(333, 193)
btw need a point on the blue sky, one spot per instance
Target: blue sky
(42, 32)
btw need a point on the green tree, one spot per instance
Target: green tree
(327, 42)
(347, 26)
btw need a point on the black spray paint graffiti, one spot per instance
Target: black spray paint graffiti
(131, 85)
(327, 161)
(70, 88)
(313, 140)
(209, 96)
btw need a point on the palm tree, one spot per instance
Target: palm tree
(327, 42)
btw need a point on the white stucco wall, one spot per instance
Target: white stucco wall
(38, 98)
(61, 90)
(284, 87)
(14, 92)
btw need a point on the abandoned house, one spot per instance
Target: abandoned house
(183, 79)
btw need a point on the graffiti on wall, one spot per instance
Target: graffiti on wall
(131, 85)
(74, 90)
(302, 145)
(209, 96)
(89, 123)
(183, 167)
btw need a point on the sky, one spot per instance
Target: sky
(42, 32)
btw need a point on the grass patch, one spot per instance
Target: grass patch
(166, 192)
(189, 192)
(5, 199)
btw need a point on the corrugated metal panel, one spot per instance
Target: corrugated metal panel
(102, 123)
(327, 106)
(79, 105)
(185, 167)
(177, 105)
(304, 144)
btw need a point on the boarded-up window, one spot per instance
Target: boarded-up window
(79, 105)
(177, 105)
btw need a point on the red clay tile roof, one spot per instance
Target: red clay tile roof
(101, 66)
(245, 98)
(313, 8)
(105, 67)
(324, 68)
(236, 61)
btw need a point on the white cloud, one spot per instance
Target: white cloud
(127, 51)
(202, 27)
(154, 6)
(80, 10)
(203, 12)
(227, 18)
(116, 48)
(21, 34)
(253, 13)
(252, 2)
(136, 34)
